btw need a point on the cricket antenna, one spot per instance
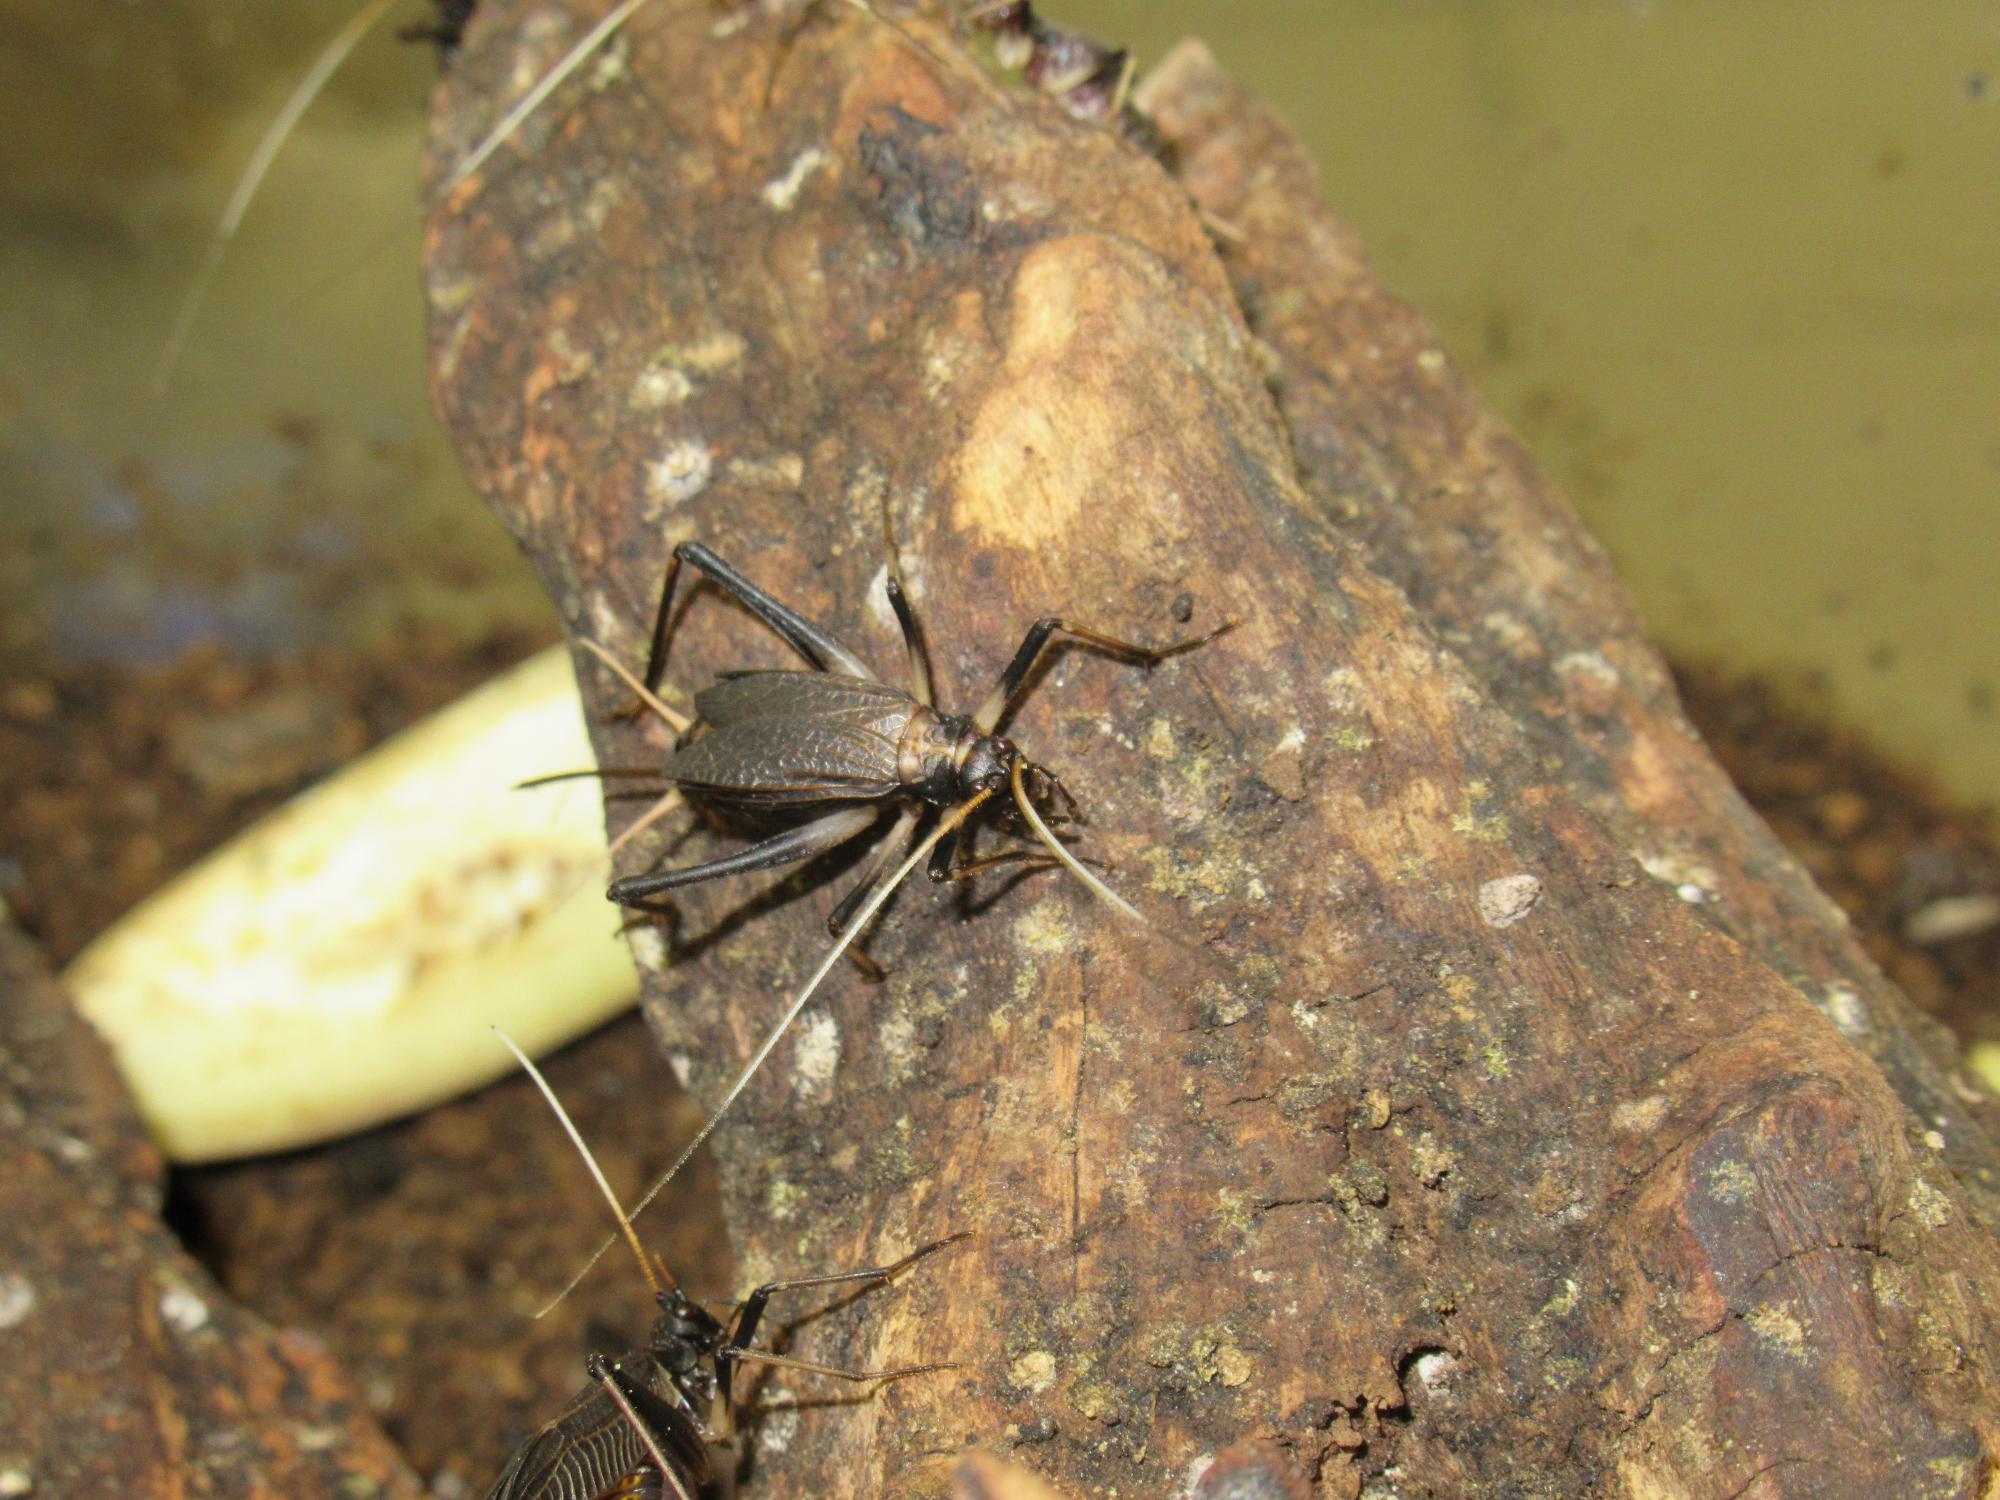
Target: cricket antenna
(1055, 846)
(576, 1137)
(1097, 887)
(546, 85)
(673, 718)
(331, 56)
(848, 934)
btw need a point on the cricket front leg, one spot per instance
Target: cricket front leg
(1038, 636)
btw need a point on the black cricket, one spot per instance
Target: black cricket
(839, 744)
(660, 1421)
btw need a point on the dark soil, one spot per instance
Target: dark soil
(1877, 837)
(419, 1251)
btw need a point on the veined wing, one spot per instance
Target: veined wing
(742, 697)
(590, 1452)
(582, 1455)
(788, 760)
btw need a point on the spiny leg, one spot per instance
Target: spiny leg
(753, 1305)
(788, 847)
(895, 1372)
(808, 639)
(1038, 636)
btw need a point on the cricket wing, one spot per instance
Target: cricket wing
(590, 1452)
(582, 1455)
(744, 697)
(788, 761)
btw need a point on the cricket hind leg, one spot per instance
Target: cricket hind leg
(872, 871)
(809, 640)
(788, 847)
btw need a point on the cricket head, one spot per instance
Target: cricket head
(985, 763)
(683, 1335)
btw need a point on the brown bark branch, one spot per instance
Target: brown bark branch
(1544, 1132)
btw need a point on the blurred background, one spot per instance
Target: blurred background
(1732, 272)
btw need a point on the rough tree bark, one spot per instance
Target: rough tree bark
(1536, 1128)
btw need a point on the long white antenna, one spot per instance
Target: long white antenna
(331, 56)
(1055, 846)
(577, 56)
(848, 934)
(546, 85)
(576, 1137)
(675, 720)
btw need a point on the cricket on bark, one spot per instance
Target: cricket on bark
(839, 746)
(659, 1422)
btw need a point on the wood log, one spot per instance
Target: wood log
(1526, 1124)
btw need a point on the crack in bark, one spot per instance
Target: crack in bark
(1859, 1247)
(1259, 1209)
(1076, 1143)
(1776, 1463)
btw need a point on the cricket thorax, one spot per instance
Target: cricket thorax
(684, 1335)
(943, 758)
